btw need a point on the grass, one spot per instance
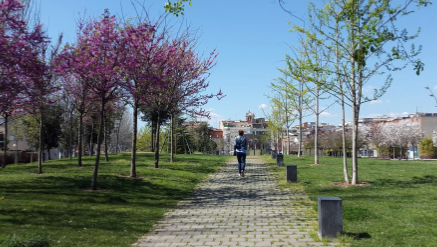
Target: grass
(59, 208)
(396, 208)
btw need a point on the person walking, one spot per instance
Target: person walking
(240, 147)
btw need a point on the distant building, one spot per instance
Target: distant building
(17, 142)
(253, 129)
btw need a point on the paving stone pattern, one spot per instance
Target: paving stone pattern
(228, 210)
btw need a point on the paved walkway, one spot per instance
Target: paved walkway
(228, 210)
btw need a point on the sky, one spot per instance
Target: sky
(252, 38)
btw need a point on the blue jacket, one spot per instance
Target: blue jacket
(243, 142)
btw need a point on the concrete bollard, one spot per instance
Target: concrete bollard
(273, 154)
(280, 159)
(291, 173)
(330, 217)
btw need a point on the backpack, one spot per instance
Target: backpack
(239, 143)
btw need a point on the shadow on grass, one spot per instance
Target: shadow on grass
(413, 183)
(357, 235)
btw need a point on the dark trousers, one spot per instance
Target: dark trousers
(241, 157)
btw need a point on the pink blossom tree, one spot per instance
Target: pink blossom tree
(100, 45)
(22, 63)
(145, 66)
(97, 60)
(75, 88)
(186, 84)
(41, 86)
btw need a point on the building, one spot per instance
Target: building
(254, 129)
(17, 141)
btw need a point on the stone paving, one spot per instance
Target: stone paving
(228, 210)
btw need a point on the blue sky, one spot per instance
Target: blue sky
(252, 38)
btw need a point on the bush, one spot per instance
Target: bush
(426, 148)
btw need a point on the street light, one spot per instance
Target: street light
(16, 153)
(432, 95)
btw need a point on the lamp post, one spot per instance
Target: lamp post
(16, 153)
(432, 95)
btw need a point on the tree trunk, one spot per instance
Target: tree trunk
(343, 117)
(171, 139)
(71, 136)
(5, 140)
(40, 144)
(99, 138)
(300, 117)
(343, 122)
(105, 140)
(316, 134)
(152, 134)
(355, 99)
(80, 136)
(117, 149)
(133, 169)
(157, 144)
(355, 115)
(91, 139)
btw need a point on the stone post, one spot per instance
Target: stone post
(280, 159)
(291, 173)
(330, 217)
(273, 154)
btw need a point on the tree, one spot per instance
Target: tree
(393, 135)
(52, 130)
(144, 142)
(145, 66)
(314, 64)
(297, 94)
(276, 121)
(18, 56)
(121, 137)
(97, 58)
(426, 148)
(202, 138)
(365, 30)
(185, 82)
(41, 85)
(76, 90)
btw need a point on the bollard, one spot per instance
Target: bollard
(330, 217)
(291, 173)
(280, 159)
(273, 154)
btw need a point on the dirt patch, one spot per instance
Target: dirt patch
(344, 184)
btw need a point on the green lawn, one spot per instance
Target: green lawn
(398, 207)
(58, 207)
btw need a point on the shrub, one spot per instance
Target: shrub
(426, 148)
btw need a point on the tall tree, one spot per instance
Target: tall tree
(97, 58)
(370, 41)
(18, 55)
(185, 84)
(146, 65)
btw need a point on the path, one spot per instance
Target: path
(228, 210)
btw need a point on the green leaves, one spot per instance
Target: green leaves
(176, 8)
(418, 67)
